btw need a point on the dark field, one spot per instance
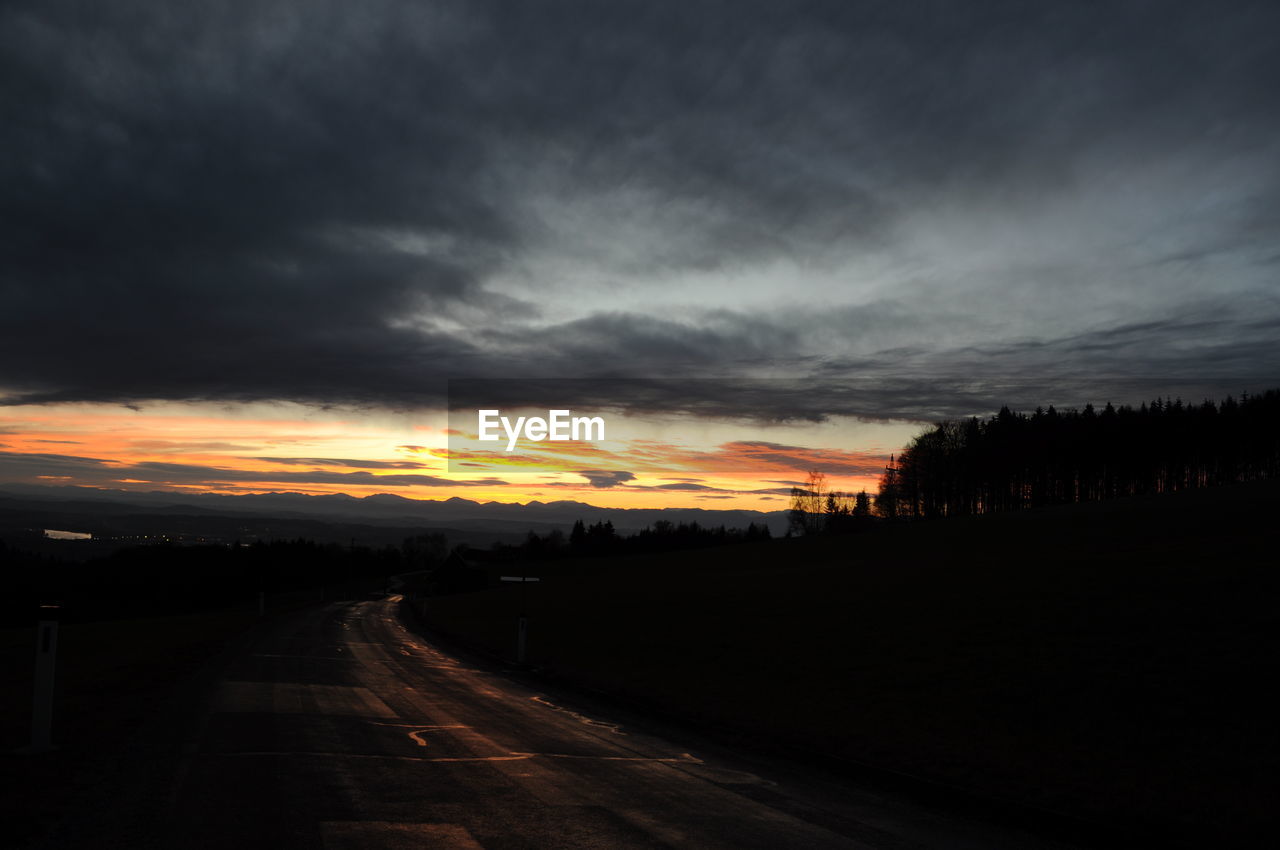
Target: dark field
(115, 686)
(1109, 661)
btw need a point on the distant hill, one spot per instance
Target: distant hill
(462, 520)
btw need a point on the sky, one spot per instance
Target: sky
(246, 245)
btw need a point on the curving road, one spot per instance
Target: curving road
(341, 728)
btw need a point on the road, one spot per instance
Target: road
(342, 728)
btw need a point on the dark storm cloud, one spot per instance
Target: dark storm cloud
(315, 202)
(1194, 358)
(188, 200)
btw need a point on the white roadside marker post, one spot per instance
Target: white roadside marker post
(42, 695)
(522, 624)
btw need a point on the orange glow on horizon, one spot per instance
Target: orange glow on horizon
(190, 448)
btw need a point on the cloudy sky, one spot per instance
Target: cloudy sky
(240, 236)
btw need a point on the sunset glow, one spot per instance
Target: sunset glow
(284, 447)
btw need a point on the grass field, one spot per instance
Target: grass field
(1110, 661)
(113, 678)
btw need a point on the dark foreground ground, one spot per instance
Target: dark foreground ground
(1113, 662)
(339, 727)
(114, 679)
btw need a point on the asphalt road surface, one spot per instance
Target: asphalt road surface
(342, 728)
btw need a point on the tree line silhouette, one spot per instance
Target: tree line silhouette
(1014, 460)
(166, 578)
(600, 538)
(817, 510)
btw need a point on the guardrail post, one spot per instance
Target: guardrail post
(42, 694)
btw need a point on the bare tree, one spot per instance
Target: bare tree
(808, 504)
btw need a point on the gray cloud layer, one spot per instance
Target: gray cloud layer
(15, 466)
(926, 211)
